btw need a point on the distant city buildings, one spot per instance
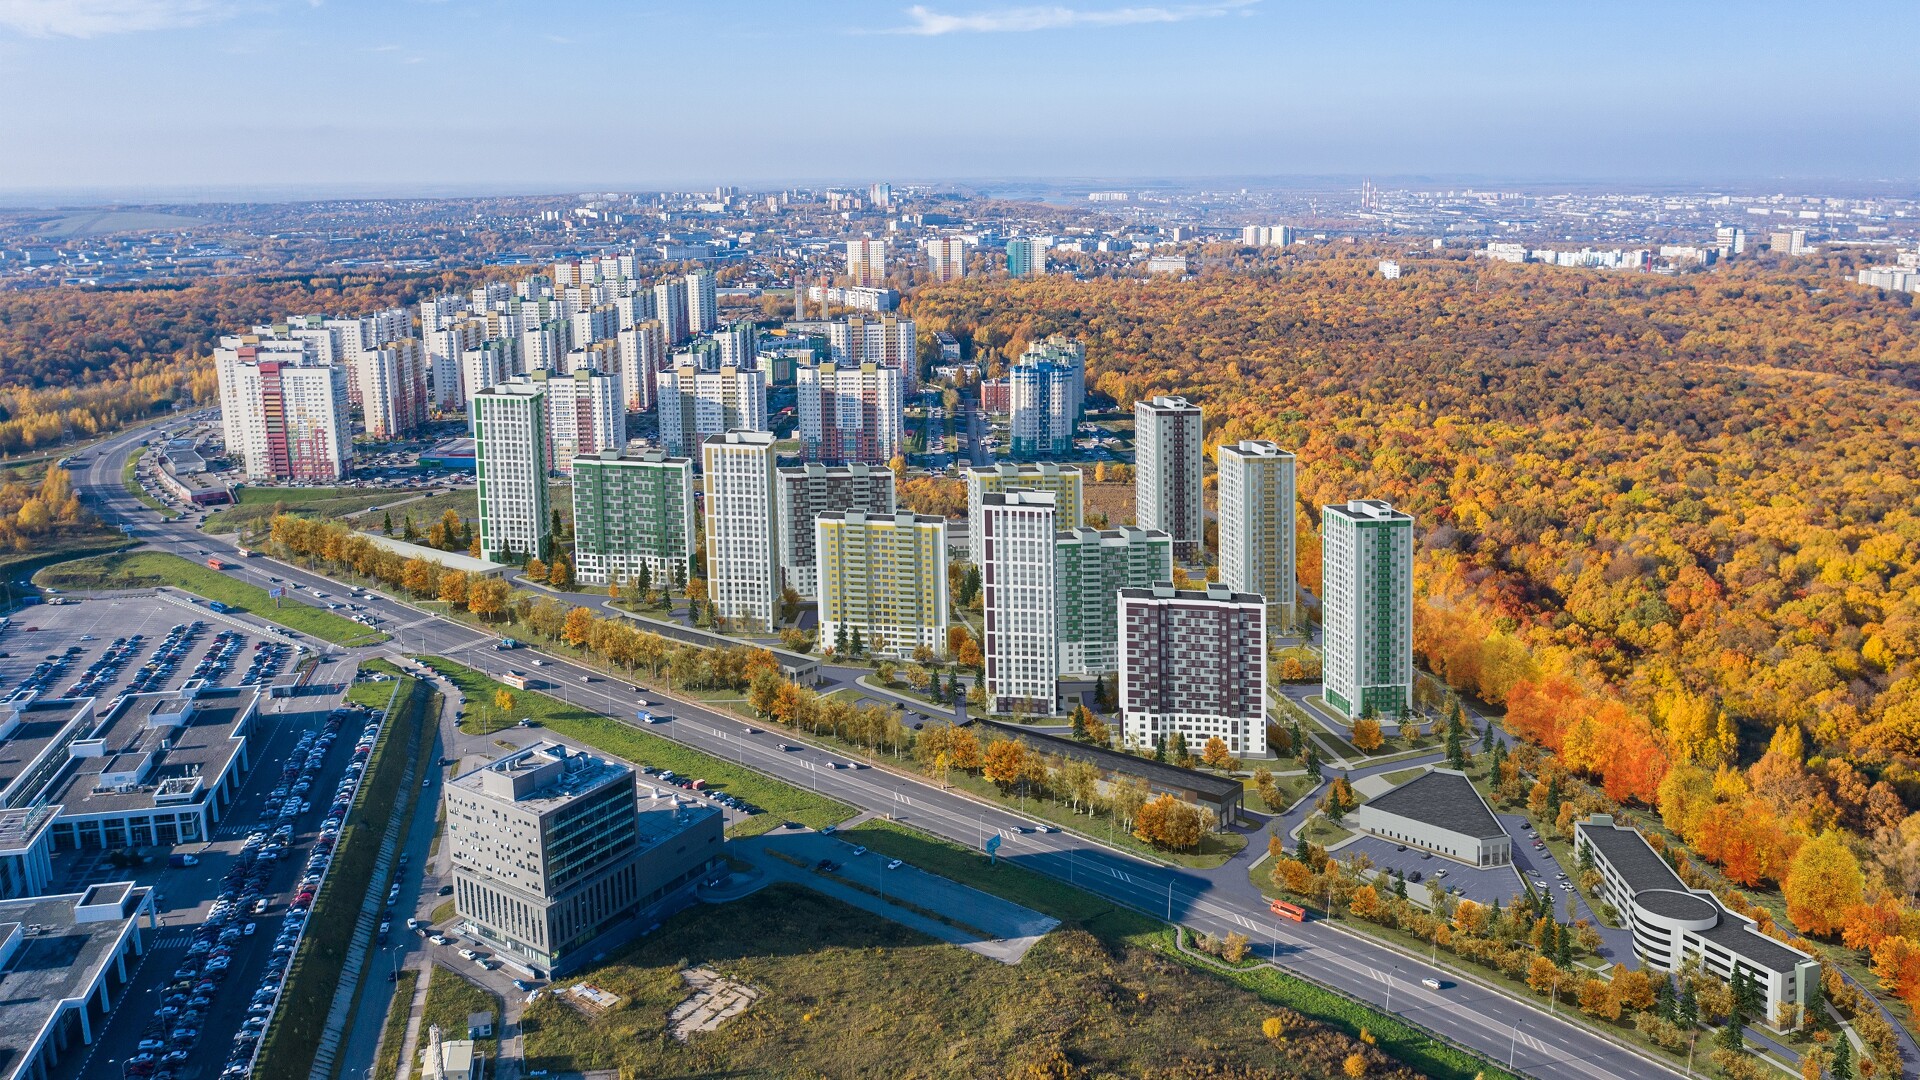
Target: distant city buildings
(1166, 265)
(849, 413)
(1167, 437)
(510, 468)
(1063, 481)
(1193, 662)
(586, 413)
(1256, 516)
(1091, 567)
(1367, 608)
(695, 405)
(856, 297)
(633, 519)
(886, 341)
(703, 304)
(1047, 398)
(743, 535)
(882, 581)
(1017, 530)
(1266, 236)
(1389, 270)
(812, 490)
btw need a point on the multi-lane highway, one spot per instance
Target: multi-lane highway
(1504, 1028)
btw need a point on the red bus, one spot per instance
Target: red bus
(216, 564)
(1290, 912)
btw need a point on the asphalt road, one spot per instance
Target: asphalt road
(1504, 1028)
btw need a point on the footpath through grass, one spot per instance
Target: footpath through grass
(386, 1064)
(779, 801)
(150, 569)
(1121, 926)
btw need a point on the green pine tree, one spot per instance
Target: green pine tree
(1665, 1004)
(1842, 1064)
(386, 524)
(1553, 798)
(1313, 764)
(1400, 885)
(1733, 1034)
(1456, 754)
(1689, 1007)
(1563, 947)
(1302, 851)
(1487, 741)
(1079, 730)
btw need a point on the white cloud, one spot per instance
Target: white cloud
(93, 18)
(925, 22)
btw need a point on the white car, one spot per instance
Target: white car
(1430, 983)
(469, 954)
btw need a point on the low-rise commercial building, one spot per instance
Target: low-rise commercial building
(65, 962)
(553, 860)
(1671, 922)
(1438, 811)
(1224, 795)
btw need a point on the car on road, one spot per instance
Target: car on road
(522, 985)
(893, 864)
(860, 850)
(1430, 983)
(441, 939)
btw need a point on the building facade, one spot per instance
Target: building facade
(947, 258)
(1090, 569)
(696, 405)
(393, 388)
(812, 490)
(552, 860)
(285, 418)
(1438, 811)
(743, 529)
(586, 413)
(1026, 257)
(1046, 397)
(883, 577)
(887, 341)
(1193, 662)
(510, 471)
(848, 414)
(867, 263)
(1167, 437)
(1257, 526)
(1063, 481)
(1016, 535)
(633, 519)
(670, 307)
(1671, 922)
(1366, 573)
(703, 302)
(643, 352)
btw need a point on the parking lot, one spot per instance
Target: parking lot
(1480, 884)
(220, 900)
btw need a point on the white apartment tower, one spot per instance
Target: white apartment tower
(1256, 526)
(643, 352)
(586, 413)
(670, 307)
(743, 533)
(1366, 567)
(1167, 433)
(867, 263)
(511, 464)
(703, 302)
(286, 419)
(1017, 575)
(393, 388)
(887, 341)
(849, 414)
(695, 404)
(947, 258)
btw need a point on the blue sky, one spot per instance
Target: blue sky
(542, 96)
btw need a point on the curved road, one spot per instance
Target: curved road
(1216, 902)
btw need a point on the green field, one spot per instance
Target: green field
(255, 507)
(386, 1064)
(148, 569)
(845, 994)
(779, 801)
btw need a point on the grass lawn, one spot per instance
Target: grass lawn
(779, 801)
(441, 912)
(463, 501)
(450, 1000)
(847, 994)
(386, 1064)
(257, 506)
(1290, 786)
(146, 569)
(1401, 777)
(1319, 830)
(375, 695)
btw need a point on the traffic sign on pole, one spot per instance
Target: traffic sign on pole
(993, 845)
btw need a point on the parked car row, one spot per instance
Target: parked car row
(173, 649)
(286, 802)
(268, 657)
(219, 656)
(103, 671)
(694, 784)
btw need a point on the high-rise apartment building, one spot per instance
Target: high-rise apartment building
(812, 490)
(393, 388)
(884, 578)
(867, 262)
(285, 418)
(703, 302)
(739, 343)
(510, 468)
(696, 404)
(643, 352)
(553, 860)
(670, 307)
(445, 346)
(1046, 398)
(743, 530)
(1090, 568)
(947, 258)
(848, 413)
(493, 362)
(1366, 601)
(1062, 480)
(1256, 526)
(1167, 436)
(887, 341)
(1266, 235)
(1017, 577)
(1026, 257)
(544, 343)
(1193, 662)
(586, 413)
(633, 519)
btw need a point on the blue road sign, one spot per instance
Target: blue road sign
(993, 845)
(276, 593)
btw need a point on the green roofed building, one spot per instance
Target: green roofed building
(633, 511)
(1367, 604)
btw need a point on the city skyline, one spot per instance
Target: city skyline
(1396, 91)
